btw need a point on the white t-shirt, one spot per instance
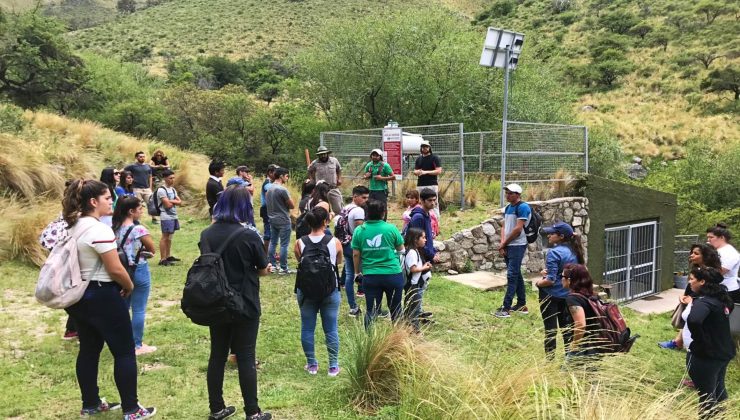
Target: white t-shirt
(730, 259)
(170, 193)
(685, 333)
(333, 245)
(98, 239)
(413, 259)
(355, 215)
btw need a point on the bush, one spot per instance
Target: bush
(11, 118)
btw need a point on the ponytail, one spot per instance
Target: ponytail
(76, 201)
(576, 245)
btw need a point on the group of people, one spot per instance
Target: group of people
(377, 257)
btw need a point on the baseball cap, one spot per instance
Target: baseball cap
(378, 151)
(561, 228)
(515, 188)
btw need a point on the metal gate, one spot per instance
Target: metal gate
(631, 260)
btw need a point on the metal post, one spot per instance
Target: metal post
(503, 129)
(585, 148)
(462, 168)
(480, 154)
(321, 139)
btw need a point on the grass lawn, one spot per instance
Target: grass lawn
(38, 380)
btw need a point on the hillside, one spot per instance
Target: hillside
(39, 151)
(654, 102)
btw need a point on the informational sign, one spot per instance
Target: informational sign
(393, 150)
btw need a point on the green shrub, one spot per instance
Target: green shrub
(11, 118)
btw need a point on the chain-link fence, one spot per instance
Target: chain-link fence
(352, 149)
(534, 153)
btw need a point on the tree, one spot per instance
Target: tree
(660, 37)
(126, 6)
(610, 66)
(619, 21)
(641, 29)
(268, 91)
(711, 9)
(37, 66)
(705, 56)
(723, 80)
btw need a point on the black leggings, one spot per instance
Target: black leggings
(241, 337)
(735, 295)
(709, 378)
(102, 317)
(555, 314)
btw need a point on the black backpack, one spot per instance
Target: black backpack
(301, 225)
(532, 227)
(152, 206)
(208, 298)
(342, 230)
(317, 277)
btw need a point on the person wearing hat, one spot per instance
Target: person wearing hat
(566, 249)
(243, 178)
(512, 247)
(327, 168)
(707, 338)
(379, 173)
(427, 168)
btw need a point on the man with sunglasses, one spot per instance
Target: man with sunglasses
(512, 247)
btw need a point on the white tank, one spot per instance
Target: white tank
(411, 143)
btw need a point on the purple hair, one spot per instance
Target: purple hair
(234, 205)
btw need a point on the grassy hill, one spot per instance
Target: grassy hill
(39, 151)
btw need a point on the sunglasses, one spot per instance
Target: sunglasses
(116, 173)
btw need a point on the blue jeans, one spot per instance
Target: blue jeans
(279, 233)
(375, 286)
(329, 310)
(138, 299)
(101, 317)
(349, 276)
(514, 279)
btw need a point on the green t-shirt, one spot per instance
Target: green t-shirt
(380, 168)
(377, 242)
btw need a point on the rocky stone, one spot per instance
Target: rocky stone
(467, 234)
(582, 212)
(457, 237)
(466, 243)
(587, 228)
(439, 246)
(568, 215)
(478, 232)
(576, 205)
(588, 108)
(480, 249)
(488, 229)
(452, 272)
(444, 256)
(486, 266)
(577, 221)
(476, 257)
(500, 266)
(481, 241)
(452, 246)
(565, 205)
(443, 266)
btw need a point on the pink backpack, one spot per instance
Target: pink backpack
(60, 282)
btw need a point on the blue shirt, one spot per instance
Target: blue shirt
(557, 259)
(512, 213)
(266, 184)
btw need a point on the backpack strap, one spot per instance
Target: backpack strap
(128, 232)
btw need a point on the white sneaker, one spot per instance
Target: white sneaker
(145, 349)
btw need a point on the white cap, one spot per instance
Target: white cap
(378, 151)
(424, 143)
(515, 188)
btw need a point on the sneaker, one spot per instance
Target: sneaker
(284, 271)
(670, 345)
(145, 349)
(354, 313)
(360, 294)
(223, 414)
(384, 314)
(173, 259)
(273, 270)
(166, 263)
(311, 369)
(502, 313)
(427, 321)
(688, 383)
(426, 315)
(141, 413)
(521, 309)
(70, 335)
(102, 407)
(262, 415)
(334, 371)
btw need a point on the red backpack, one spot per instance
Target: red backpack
(614, 336)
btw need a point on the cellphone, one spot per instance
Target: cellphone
(146, 254)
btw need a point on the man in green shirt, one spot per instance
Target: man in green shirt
(379, 173)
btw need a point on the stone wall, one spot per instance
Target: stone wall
(479, 244)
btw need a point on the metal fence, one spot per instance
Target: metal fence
(352, 149)
(681, 251)
(535, 152)
(632, 260)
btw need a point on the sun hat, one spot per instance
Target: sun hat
(322, 150)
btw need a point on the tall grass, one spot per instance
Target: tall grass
(49, 149)
(425, 379)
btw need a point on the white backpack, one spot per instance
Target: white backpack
(60, 282)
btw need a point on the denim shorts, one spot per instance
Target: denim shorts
(169, 226)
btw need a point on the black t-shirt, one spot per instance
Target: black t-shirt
(427, 163)
(592, 323)
(242, 258)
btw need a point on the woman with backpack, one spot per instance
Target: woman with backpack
(577, 280)
(135, 241)
(566, 249)
(318, 291)
(709, 341)
(418, 273)
(244, 262)
(101, 315)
